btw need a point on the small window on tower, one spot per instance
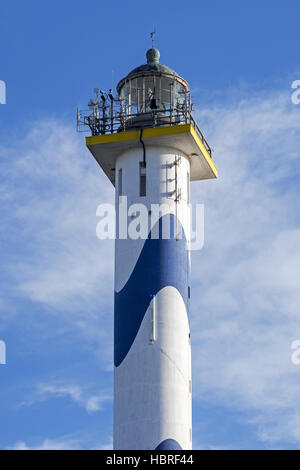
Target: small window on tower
(120, 182)
(142, 179)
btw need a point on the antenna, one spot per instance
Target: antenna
(102, 96)
(112, 79)
(152, 34)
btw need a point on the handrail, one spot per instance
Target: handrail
(121, 120)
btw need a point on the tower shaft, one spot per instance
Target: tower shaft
(152, 376)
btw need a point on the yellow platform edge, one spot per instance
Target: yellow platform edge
(153, 132)
(204, 151)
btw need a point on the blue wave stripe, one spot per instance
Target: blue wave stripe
(162, 262)
(169, 444)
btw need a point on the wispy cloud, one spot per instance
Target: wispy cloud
(245, 307)
(51, 255)
(57, 187)
(69, 442)
(48, 444)
(80, 395)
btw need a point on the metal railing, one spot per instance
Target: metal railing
(109, 120)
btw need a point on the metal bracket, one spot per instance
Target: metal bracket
(153, 335)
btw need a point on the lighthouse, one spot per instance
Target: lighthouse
(149, 145)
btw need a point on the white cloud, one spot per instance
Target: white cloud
(51, 255)
(78, 394)
(76, 441)
(56, 204)
(246, 296)
(48, 444)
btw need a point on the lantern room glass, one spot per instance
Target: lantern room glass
(144, 94)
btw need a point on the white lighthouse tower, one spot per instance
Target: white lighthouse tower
(148, 144)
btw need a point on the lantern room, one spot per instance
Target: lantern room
(153, 87)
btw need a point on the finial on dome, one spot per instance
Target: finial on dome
(153, 56)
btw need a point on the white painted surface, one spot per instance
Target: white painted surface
(152, 399)
(160, 185)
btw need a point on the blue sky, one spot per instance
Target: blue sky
(56, 290)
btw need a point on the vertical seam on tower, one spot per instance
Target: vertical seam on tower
(144, 148)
